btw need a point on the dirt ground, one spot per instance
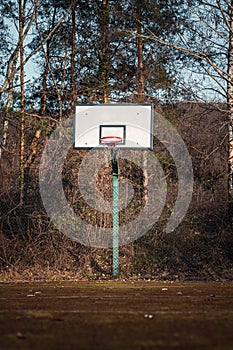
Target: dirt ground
(116, 315)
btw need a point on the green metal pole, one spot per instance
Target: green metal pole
(115, 217)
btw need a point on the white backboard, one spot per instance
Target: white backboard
(132, 122)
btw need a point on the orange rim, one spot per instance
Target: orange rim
(111, 139)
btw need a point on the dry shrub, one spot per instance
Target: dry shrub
(200, 248)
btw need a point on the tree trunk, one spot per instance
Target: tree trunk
(6, 119)
(140, 87)
(104, 55)
(22, 102)
(43, 102)
(43, 107)
(10, 80)
(4, 135)
(73, 47)
(6, 123)
(230, 104)
(140, 81)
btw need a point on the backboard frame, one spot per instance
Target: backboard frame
(127, 122)
(107, 126)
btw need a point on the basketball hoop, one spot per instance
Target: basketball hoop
(111, 141)
(99, 126)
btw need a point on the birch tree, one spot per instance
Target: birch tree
(4, 49)
(22, 15)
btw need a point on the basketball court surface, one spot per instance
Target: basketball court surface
(116, 315)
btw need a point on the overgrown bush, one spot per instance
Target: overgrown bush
(200, 248)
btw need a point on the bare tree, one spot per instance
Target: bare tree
(26, 15)
(208, 41)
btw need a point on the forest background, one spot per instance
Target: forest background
(177, 55)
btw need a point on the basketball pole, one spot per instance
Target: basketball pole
(115, 214)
